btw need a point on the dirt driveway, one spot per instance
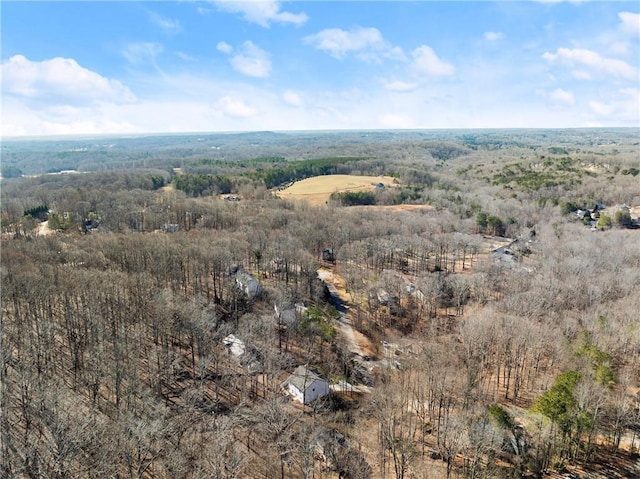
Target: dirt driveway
(357, 342)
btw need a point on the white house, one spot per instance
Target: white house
(306, 386)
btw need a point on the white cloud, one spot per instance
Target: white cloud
(21, 118)
(623, 41)
(261, 12)
(493, 36)
(630, 22)
(581, 75)
(186, 57)
(292, 98)
(166, 24)
(582, 58)
(87, 127)
(189, 102)
(224, 47)
(562, 96)
(252, 61)
(58, 96)
(367, 43)
(633, 94)
(617, 107)
(400, 86)
(427, 63)
(140, 53)
(234, 107)
(600, 108)
(424, 66)
(620, 49)
(203, 11)
(59, 81)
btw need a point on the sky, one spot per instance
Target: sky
(125, 67)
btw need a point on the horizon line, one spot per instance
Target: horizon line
(88, 136)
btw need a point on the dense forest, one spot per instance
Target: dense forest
(479, 318)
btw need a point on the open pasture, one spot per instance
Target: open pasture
(318, 189)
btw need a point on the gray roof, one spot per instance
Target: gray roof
(248, 283)
(302, 378)
(287, 314)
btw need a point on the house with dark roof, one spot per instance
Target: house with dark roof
(305, 386)
(329, 255)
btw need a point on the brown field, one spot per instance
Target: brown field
(318, 189)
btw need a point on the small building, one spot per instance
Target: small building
(505, 254)
(234, 345)
(286, 315)
(252, 360)
(382, 296)
(301, 308)
(305, 386)
(248, 357)
(581, 214)
(247, 283)
(415, 293)
(329, 255)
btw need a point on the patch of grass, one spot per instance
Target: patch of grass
(317, 190)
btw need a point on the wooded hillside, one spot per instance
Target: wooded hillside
(494, 334)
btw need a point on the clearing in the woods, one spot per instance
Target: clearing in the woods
(318, 189)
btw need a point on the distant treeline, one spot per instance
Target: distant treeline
(272, 171)
(202, 185)
(207, 176)
(147, 179)
(299, 170)
(241, 164)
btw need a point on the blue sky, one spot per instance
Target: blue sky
(138, 67)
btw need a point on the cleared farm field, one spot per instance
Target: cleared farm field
(318, 189)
